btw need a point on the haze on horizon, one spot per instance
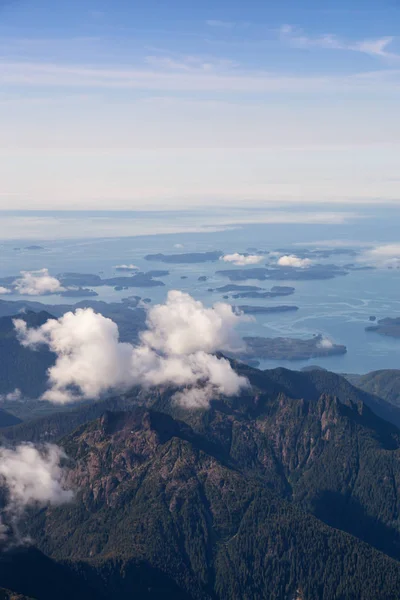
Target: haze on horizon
(110, 105)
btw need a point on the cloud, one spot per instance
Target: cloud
(291, 260)
(11, 396)
(31, 477)
(242, 259)
(384, 256)
(220, 24)
(41, 74)
(125, 267)
(295, 36)
(179, 246)
(325, 342)
(4, 290)
(190, 63)
(176, 349)
(37, 283)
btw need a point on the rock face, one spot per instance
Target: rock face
(271, 482)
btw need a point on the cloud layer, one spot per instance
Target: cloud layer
(384, 256)
(37, 283)
(291, 260)
(176, 349)
(31, 477)
(242, 259)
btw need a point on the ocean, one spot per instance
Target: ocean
(339, 308)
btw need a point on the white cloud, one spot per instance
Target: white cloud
(12, 396)
(179, 246)
(126, 267)
(291, 260)
(4, 290)
(325, 342)
(37, 283)
(295, 36)
(242, 259)
(220, 24)
(176, 349)
(384, 256)
(32, 477)
(197, 80)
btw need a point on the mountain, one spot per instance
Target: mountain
(384, 383)
(22, 368)
(289, 491)
(155, 492)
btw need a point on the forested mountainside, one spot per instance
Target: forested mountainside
(289, 491)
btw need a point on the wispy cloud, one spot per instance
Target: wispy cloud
(189, 63)
(176, 79)
(220, 24)
(296, 37)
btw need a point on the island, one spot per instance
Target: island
(138, 280)
(79, 280)
(237, 288)
(275, 292)
(79, 293)
(186, 258)
(282, 348)
(202, 278)
(317, 252)
(389, 327)
(258, 310)
(276, 273)
(34, 248)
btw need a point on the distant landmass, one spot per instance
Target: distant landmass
(79, 293)
(276, 291)
(282, 348)
(186, 258)
(248, 309)
(390, 326)
(284, 273)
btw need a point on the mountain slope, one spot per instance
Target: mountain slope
(384, 383)
(153, 490)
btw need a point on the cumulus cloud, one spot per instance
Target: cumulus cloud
(36, 283)
(178, 246)
(242, 259)
(384, 256)
(325, 342)
(291, 260)
(31, 477)
(126, 267)
(13, 396)
(4, 290)
(176, 349)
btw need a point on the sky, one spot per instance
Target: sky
(153, 104)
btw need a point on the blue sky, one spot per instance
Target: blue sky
(171, 103)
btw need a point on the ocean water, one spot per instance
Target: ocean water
(337, 308)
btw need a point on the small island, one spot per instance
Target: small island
(276, 291)
(79, 293)
(202, 278)
(185, 258)
(259, 310)
(281, 348)
(389, 327)
(237, 288)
